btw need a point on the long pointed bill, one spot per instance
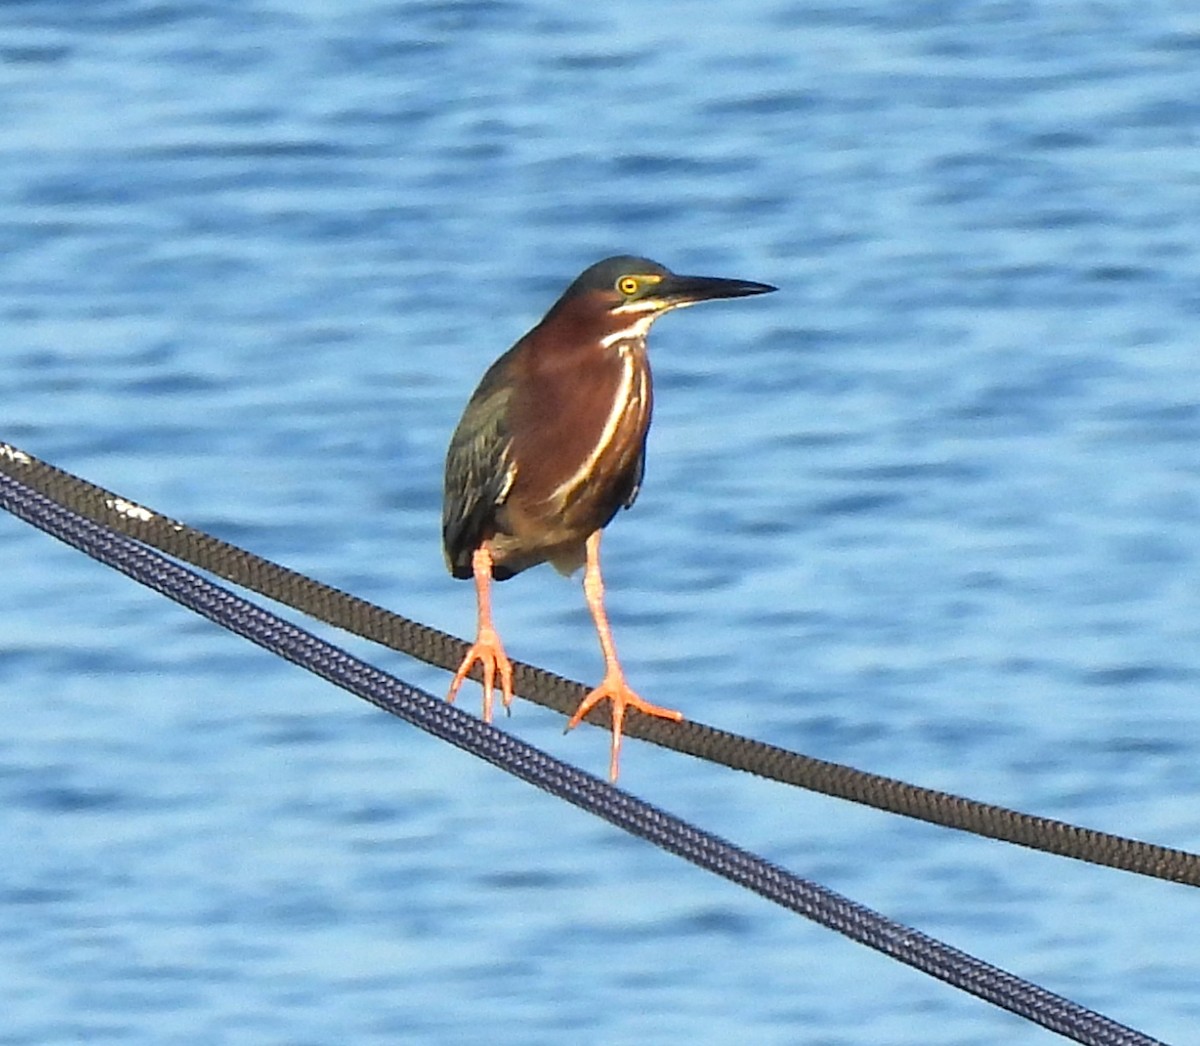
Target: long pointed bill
(675, 291)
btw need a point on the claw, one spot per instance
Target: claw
(618, 691)
(487, 648)
(489, 652)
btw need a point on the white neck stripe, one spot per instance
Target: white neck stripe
(611, 424)
(637, 329)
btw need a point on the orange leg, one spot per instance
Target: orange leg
(487, 648)
(613, 685)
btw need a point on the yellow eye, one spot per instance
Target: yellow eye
(627, 284)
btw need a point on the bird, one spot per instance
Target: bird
(550, 446)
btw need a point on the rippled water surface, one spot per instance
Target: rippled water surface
(933, 509)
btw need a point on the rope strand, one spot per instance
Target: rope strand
(583, 790)
(396, 632)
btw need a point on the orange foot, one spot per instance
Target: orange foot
(618, 691)
(489, 652)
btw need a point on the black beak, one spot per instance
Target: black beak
(685, 290)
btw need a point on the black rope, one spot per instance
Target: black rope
(589, 793)
(355, 615)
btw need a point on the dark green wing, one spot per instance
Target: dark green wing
(479, 473)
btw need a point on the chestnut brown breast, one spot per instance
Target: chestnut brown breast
(577, 454)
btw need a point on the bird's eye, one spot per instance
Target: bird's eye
(627, 284)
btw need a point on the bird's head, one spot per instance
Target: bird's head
(625, 294)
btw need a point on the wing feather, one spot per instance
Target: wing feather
(479, 474)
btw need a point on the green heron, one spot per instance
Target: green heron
(551, 444)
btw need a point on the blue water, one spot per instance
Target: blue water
(933, 509)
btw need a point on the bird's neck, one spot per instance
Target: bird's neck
(571, 333)
(632, 335)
